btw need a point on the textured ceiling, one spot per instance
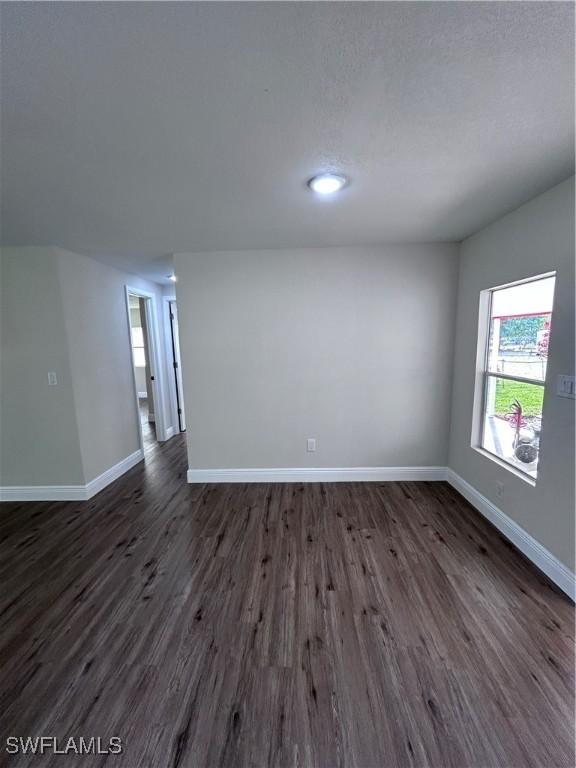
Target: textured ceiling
(131, 131)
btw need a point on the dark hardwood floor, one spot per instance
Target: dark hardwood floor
(369, 625)
(148, 427)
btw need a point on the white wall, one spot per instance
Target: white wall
(99, 342)
(351, 346)
(39, 441)
(141, 379)
(66, 313)
(537, 238)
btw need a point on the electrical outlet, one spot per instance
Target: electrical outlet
(499, 490)
(52, 380)
(565, 386)
(311, 444)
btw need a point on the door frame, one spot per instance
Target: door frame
(155, 361)
(169, 363)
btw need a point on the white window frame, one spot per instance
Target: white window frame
(484, 375)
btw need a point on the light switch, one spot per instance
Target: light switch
(311, 444)
(565, 386)
(52, 380)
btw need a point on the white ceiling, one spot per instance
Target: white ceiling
(131, 131)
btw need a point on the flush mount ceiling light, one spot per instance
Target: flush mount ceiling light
(327, 183)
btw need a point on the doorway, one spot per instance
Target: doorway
(141, 365)
(147, 373)
(176, 365)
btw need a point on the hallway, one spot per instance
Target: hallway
(148, 427)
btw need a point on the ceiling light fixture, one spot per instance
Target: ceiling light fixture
(327, 183)
(172, 277)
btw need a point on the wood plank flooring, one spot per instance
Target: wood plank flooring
(368, 625)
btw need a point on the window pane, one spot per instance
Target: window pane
(139, 357)
(512, 422)
(520, 329)
(137, 337)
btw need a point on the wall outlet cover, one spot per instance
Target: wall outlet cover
(565, 386)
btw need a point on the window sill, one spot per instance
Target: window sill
(505, 465)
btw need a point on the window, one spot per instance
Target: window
(138, 347)
(514, 371)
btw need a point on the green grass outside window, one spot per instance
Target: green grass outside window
(530, 396)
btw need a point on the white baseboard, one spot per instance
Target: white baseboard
(556, 571)
(107, 477)
(71, 492)
(314, 475)
(43, 493)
